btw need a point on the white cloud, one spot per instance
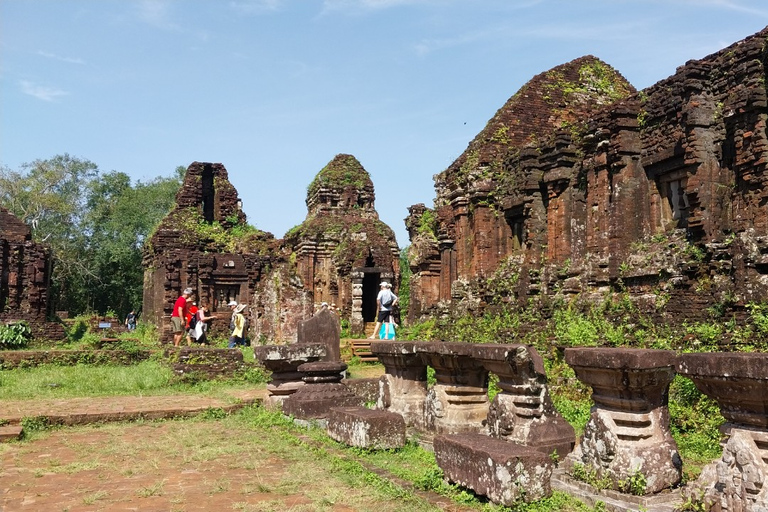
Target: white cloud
(69, 60)
(731, 5)
(41, 92)
(368, 5)
(255, 6)
(157, 14)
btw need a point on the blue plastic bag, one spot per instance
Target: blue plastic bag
(387, 331)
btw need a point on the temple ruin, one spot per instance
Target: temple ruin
(25, 274)
(338, 255)
(343, 251)
(203, 243)
(582, 186)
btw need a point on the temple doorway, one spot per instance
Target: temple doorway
(370, 291)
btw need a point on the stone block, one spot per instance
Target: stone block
(10, 433)
(366, 428)
(322, 328)
(504, 472)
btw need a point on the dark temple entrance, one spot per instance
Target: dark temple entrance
(370, 291)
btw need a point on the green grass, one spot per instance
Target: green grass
(145, 378)
(359, 467)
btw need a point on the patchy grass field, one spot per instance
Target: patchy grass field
(254, 460)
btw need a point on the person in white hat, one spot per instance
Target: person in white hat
(385, 301)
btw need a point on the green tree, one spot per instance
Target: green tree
(96, 226)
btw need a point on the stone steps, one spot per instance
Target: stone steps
(10, 433)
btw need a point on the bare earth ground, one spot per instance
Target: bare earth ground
(173, 466)
(181, 465)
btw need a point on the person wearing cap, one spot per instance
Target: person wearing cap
(385, 301)
(232, 305)
(179, 316)
(238, 322)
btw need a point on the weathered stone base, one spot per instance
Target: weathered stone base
(504, 472)
(366, 428)
(212, 362)
(614, 501)
(367, 389)
(737, 482)
(315, 401)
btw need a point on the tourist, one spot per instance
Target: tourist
(201, 328)
(238, 327)
(191, 321)
(385, 301)
(130, 320)
(232, 305)
(179, 315)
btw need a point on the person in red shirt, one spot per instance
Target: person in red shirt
(179, 316)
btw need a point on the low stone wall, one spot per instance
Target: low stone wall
(30, 358)
(209, 362)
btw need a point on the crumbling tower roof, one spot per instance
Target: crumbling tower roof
(341, 185)
(341, 214)
(563, 97)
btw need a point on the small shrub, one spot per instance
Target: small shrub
(634, 484)
(15, 336)
(32, 424)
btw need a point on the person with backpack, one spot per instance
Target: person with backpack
(191, 322)
(130, 320)
(385, 301)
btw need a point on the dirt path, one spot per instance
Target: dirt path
(183, 465)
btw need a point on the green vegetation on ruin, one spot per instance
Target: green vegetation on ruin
(215, 237)
(341, 172)
(694, 418)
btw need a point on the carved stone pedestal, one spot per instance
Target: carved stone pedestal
(322, 390)
(522, 412)
(628, 432)
(739, 384)
(458, 402)
(404, 386)
(284, 361)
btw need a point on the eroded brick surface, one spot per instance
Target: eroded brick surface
(580, 185)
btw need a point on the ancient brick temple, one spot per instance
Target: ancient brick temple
(204, 244)
(580, 185)
(25, 272)
(343, 251)
(337, 255)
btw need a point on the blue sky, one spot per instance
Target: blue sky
(274, 89)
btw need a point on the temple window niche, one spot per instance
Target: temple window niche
(674, 205)
(516, 222)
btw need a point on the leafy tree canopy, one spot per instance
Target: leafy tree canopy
(95, 224)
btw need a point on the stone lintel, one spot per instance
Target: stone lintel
(620, 358)
(366, 428)
(631, 380)
(504, 472)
